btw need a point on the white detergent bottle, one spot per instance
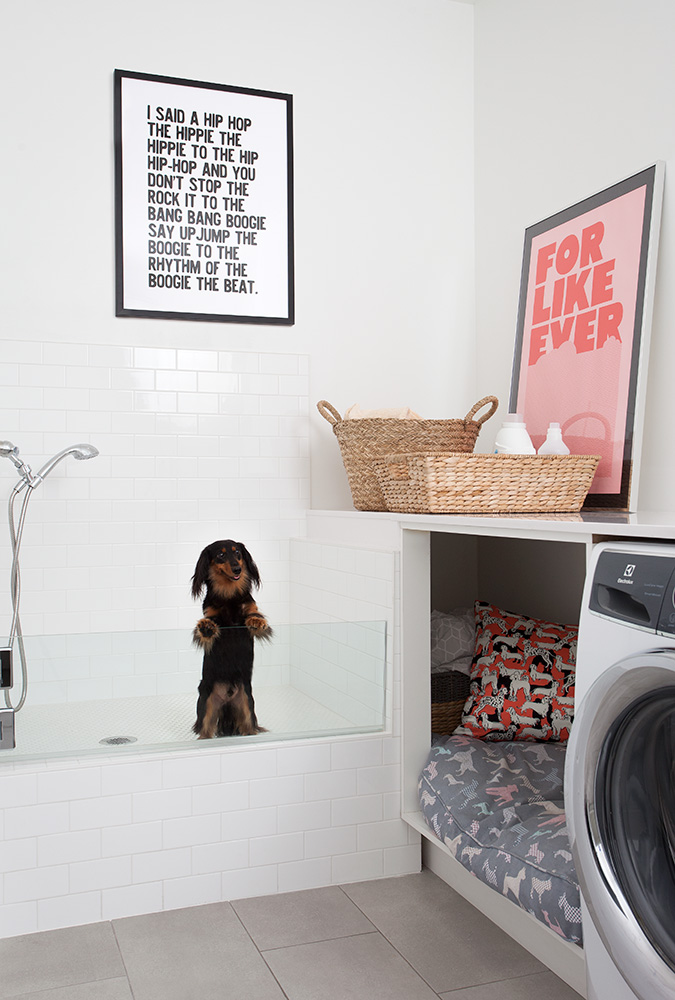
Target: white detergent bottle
(513, 438)
(554, 444)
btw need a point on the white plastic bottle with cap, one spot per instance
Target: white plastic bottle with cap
(554, 444)
(513, 438)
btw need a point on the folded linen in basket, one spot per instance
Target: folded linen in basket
(394, 412)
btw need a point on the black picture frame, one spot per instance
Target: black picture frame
(203, 168)
(624, 250)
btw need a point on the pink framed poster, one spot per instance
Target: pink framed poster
(584, 319)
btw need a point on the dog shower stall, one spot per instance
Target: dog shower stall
(137, 690)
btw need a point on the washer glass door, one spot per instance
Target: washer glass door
(635, 813)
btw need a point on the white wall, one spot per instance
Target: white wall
(383, 122)
(571, 97)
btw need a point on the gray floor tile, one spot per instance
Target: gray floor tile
(61, 958)
(447, 941)
(106, 989)
(201, 951)
(364, 967)
(301, 917)
(526, 988)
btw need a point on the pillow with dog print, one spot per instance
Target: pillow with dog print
(522, 678)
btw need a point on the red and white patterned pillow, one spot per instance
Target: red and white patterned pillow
(522, 678)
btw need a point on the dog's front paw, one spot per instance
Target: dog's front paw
(205, 633)
(259, 627)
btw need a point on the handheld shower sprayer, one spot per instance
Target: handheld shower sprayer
(29, 481)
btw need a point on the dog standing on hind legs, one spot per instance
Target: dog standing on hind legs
(231, 622)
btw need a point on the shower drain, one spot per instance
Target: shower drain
(117, 741)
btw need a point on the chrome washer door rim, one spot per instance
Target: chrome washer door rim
(612, 694)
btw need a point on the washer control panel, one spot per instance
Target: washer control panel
(635, 588)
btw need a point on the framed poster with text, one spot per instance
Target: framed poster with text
(203, 201)
(584, 320)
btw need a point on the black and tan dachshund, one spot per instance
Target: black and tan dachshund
(231, 622)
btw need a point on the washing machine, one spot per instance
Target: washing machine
(620, 771)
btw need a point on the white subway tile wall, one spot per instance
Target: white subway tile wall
(91, 840)
(194, 445)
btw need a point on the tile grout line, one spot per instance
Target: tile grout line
(124, 964)
(392, 945)
(246, 931)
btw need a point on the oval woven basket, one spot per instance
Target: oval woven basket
(363, 441)
(443, 483)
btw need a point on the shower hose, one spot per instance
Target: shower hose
(15, 632)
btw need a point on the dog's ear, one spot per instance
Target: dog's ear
(251, 568)
(200, 578)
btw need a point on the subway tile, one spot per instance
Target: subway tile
(277, 791)
(330, 785)
(31, 821)
(107, 811)
(216, 382)
(303, 816)
(192, 890)
(62, 848)
(331, 841)
(18, 918)
(197, 360)
(357, 867)
(110, 357)
(248, 882)
(89, 378)
(305, 759)
(249, 823)
(16, 855)
(18, 790)
(154, 402)
(220, 798)
(131, 900)
(238, 361)
(165, 804)
(22, 352)
(68, 911)
(36, 883)
(131, 839)
(190, 831)
(154, 357)
(313, 873)
(81, 783)
(220, 857)
(197, 402)
(277, 849)
(403, 860)
(191, 771)
(176, 381)
(160, 865)
(105, 873)
(391, 833)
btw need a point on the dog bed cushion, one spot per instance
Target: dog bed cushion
(522, 678)
(499, 809)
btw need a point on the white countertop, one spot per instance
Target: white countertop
(580, 527)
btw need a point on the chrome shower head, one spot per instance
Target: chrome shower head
(82, 452)
(79, 451)
(7, 449)
(10, 451)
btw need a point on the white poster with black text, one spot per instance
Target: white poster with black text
(204, 201)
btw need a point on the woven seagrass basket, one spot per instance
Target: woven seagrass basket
(449, 692)
(447, 483)
(362, 441)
